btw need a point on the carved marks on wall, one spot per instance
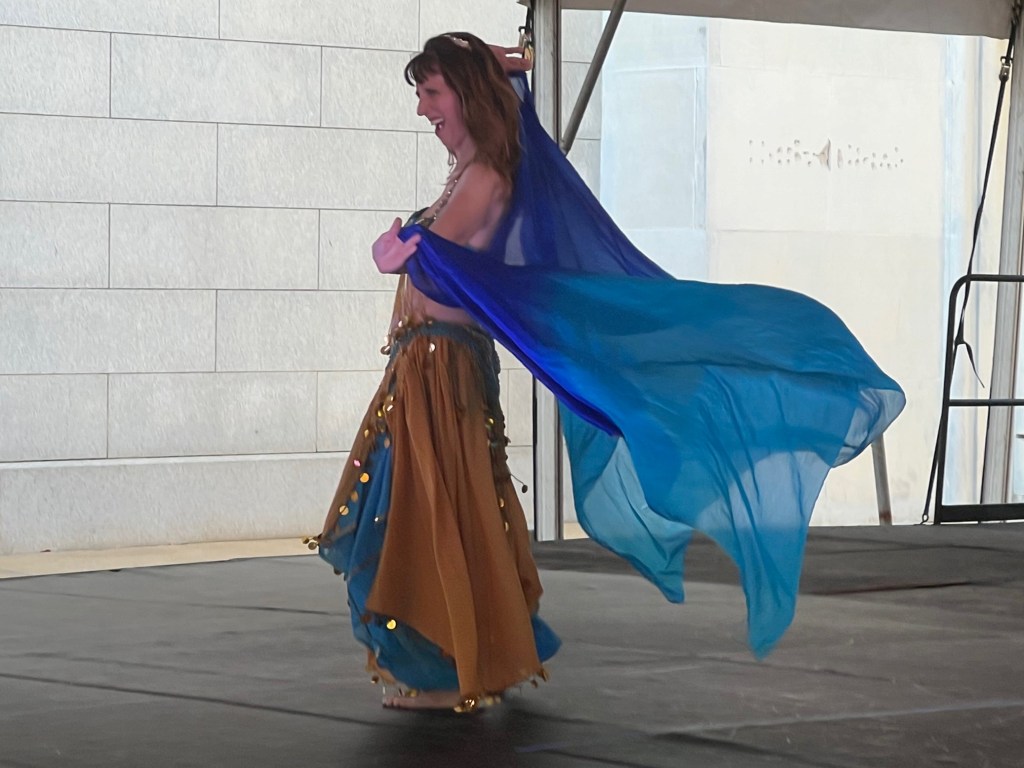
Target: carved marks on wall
(829, 156)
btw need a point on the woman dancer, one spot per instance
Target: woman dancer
(685, 406)
(426, 524)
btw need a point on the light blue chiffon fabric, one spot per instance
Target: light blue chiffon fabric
(685, 405)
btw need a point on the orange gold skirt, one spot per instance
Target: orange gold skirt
(427, 527)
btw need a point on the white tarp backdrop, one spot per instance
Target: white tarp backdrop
(990, 18)
(967, 18)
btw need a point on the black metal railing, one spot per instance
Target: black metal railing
(981, 512)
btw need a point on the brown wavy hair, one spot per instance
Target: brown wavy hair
(490, 107)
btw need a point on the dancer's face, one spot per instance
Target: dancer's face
(441, 106)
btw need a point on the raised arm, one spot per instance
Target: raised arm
(512, 59)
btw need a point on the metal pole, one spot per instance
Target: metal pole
(881, 481)
(995, 481)
(587, 89)
(947, 389)
(547, 428)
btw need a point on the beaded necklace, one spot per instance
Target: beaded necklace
(442, 201)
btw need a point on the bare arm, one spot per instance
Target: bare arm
(515, 59)
(478, 199)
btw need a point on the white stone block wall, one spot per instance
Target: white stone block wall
(189, 318)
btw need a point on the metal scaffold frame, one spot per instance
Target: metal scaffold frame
(992, 18)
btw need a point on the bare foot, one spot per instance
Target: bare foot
(423, 700)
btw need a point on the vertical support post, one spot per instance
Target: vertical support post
(996, 472)
(942, 438)
(547, 428)
(881, 481)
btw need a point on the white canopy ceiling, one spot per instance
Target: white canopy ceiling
(990, 18)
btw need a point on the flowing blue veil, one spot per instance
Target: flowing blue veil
(685, 405)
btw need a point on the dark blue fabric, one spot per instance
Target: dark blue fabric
(686, 406)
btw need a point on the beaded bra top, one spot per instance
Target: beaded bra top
(407, 310)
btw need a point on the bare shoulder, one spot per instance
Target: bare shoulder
(484, 182)
(475, 208)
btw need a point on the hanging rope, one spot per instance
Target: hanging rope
(959, 339)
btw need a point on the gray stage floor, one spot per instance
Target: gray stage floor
(907, 650)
